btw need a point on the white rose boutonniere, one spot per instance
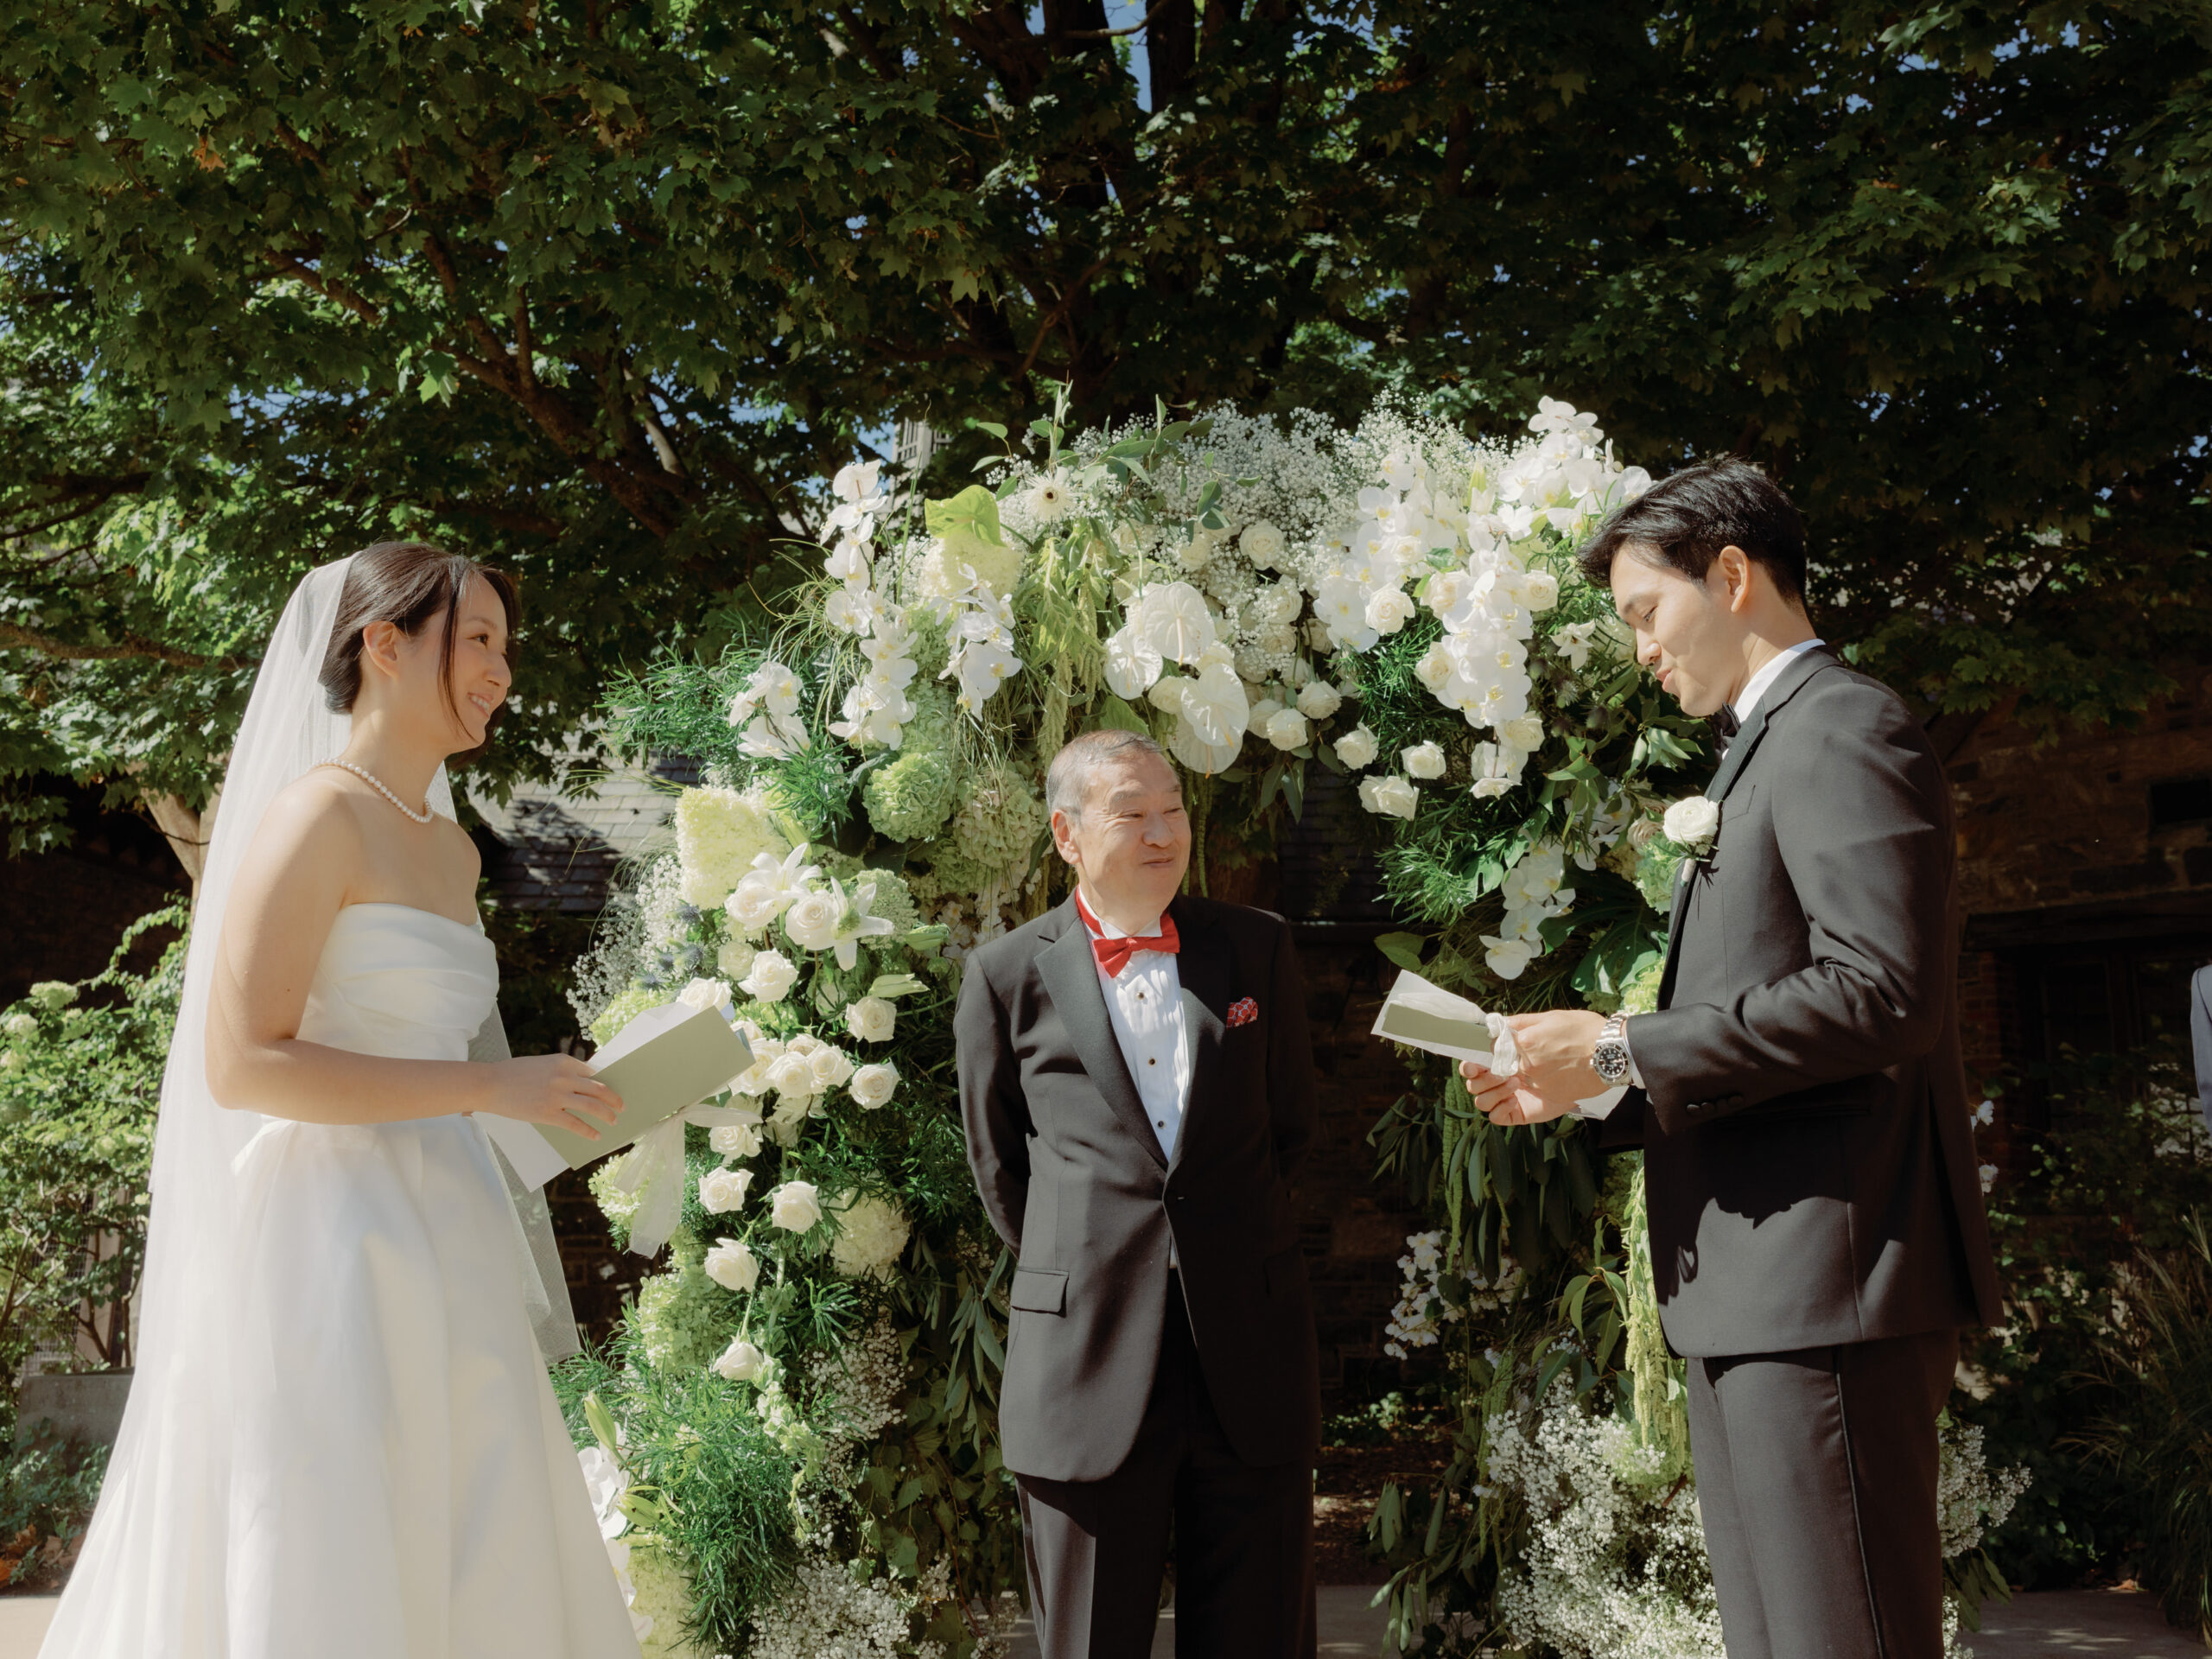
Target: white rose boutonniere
(1692, 823)
(794, 1206)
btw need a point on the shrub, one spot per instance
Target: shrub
(80, 1079)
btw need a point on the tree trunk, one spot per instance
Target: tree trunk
(187, 831)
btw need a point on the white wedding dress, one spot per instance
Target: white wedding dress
(386, 1475)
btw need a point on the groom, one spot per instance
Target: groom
(1816, 1223)
(1138, 1090)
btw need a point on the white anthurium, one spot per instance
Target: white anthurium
(1168, 692)
(1132, 664)
(1173, 619)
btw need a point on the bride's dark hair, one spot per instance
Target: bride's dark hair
(407, 584)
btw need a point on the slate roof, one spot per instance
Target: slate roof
(552, 849)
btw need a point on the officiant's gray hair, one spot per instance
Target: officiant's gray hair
(1067, 784)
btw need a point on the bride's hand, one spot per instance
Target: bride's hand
(555, 1090)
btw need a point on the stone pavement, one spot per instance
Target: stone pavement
(2046, 1625)
(2049, 1624)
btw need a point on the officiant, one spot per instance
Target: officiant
(1138, 1090)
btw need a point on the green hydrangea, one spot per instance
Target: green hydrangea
(887, 897)
(1655, 873)
(614, 1204)
(989, 842)
(682, 1318)
(53, 994)
(623, 1009)
(1640, 994)
(910, 796)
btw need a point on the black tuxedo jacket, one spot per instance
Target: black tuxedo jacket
(1809, 1147)
(1074, 1179)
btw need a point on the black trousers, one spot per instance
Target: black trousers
(1244, 1536)
(1816, 1482)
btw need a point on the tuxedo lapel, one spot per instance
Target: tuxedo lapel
(1070, 970)
(1203, 964)
(1786, 685)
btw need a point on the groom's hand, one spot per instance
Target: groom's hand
(1555, 1053)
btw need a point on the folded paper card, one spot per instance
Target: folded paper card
(665, 1059)
(1425, 1016)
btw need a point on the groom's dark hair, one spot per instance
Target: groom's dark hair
(1687, 517)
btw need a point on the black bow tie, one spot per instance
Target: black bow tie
(1725, 727)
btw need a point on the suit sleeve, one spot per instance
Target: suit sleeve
(992, 1109)
(1294, 1105)
(1863, 830)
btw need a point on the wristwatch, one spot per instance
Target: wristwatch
(1610, 1059)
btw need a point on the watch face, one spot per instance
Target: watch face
(1611, 1061)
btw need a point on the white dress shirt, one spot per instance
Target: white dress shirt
(1145, 1002)
(1768, 672)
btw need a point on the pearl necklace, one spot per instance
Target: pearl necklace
(377, 784)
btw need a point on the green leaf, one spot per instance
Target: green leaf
(1404, 949)
(1112, 715)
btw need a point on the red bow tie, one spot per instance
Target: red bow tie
(1113, 954)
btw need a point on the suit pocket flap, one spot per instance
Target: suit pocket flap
(1038, 1292)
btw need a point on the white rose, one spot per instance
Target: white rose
(812, 922)
(1391, 797)
(1692, 823)
(1357, 748)
(721, 1191)
(1261, 711)
(872, 1019)
(1318, 700)
(1538, 590)
(1263, 544)
(753, 903)
(1445, 589)
(794, 1207)
(736, 1139)
(832, 1067)
(731, 1265)
(772, 978)
(741, 1362)
(792, 1076)
(1389, 610)
(705, 994)
(872, 1084)
(1526, 732)
(735, 959)
(1287, 729)
(1424, 760)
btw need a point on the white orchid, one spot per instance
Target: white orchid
(1507, 958)
(981, 669)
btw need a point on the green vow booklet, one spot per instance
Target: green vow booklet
(664, 1060)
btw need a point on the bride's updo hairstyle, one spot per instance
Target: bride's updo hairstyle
(409, 584)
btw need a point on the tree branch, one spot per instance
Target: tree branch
(16, 638)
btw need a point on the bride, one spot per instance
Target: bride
(341, 1443)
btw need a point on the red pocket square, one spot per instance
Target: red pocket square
(1244, 1012)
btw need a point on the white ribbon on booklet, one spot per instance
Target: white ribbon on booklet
(654, 1171)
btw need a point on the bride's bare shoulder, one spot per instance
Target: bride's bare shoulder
(316, 807)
